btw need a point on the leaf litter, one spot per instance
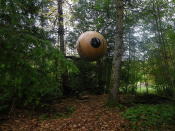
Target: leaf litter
(80, 115)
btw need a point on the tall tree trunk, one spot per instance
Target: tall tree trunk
(162, 43)
(61, 26)
(118, 53)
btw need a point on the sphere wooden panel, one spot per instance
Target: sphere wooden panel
(91, 45)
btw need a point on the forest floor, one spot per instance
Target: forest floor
(70, 115)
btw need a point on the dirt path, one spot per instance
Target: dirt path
(90, 115)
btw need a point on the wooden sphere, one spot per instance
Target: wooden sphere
(91, 45)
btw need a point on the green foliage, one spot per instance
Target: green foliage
(165, 91)
(146, 116)
(95, 15)
(159, 48)
(130, 76)
(86, 79)
(30, 65)
(144, 89)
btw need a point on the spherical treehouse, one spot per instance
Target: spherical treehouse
(91, 45)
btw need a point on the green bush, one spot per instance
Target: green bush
(30, 65)
(146, 116)
(34, 84)
(86, 80)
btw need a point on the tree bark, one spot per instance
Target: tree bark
(61, 26)
(118, 53)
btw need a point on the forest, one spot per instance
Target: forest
(45, 84)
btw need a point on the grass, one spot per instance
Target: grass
(143, 90)
(150, 116)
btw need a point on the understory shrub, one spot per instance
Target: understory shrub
(146, 116)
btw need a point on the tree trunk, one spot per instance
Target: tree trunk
(60, 38)
(162, 44)
(118, 52)
(61, 26)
